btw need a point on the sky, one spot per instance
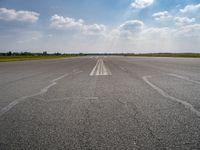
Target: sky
(100, 26)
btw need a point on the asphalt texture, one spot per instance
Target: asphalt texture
(100, 103)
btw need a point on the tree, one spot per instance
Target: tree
(44, 53)
(9, 53)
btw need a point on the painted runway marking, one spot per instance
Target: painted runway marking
(183, 78)
(163, 93)
(100, 69)
(42, 91)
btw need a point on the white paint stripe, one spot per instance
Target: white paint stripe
(104, 70)
(42, 91)
(93, 71)
(100, 69)
(97, 70)
(102, 65)
(163, 93)
(108, 71)
(183, 78)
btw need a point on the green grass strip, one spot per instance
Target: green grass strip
(23, 58)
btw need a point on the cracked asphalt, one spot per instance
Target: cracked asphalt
(143, 103)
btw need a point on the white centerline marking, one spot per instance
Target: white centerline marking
(183, 78)
(94, 69)
(100, 69)
(163, 93)
(42, 91)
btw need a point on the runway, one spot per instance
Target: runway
(100, 102)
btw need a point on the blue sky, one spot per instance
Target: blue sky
(100, 25)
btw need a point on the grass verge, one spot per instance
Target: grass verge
(23, 58)
(180, 55)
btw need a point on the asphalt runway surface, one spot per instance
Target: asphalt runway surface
(100, 103)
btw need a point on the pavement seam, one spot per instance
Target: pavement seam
(183, 78)
(42, 91)
(166, 95)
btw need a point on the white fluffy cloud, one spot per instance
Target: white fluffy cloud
(94, 29)
(132, 26)
(65, 23)
(190, 8)
(130, 35)
(134, 35)
(126, 30)
(180, 21)
(60, 22)
(139, 4)
(162, 15)
(13, 15)
(175, 33)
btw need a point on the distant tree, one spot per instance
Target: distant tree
(9, 53)
(58, 54)
(44, 53)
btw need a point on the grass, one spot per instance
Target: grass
(181, 55)
(23, 58)
(30, 57)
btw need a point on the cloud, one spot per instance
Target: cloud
(66, 23)
(127, 30)
(180, 32)
(191, 31)
(13, 15)
(164, 15)
(177, 18)
(139, 4)
(155, 32)
(180, 21)
(134, 35)
(132, 26)
(190, 8)
(94, 29)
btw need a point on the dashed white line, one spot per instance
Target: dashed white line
(42, 91)
(163, 93)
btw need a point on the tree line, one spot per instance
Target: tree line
(44, 53)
